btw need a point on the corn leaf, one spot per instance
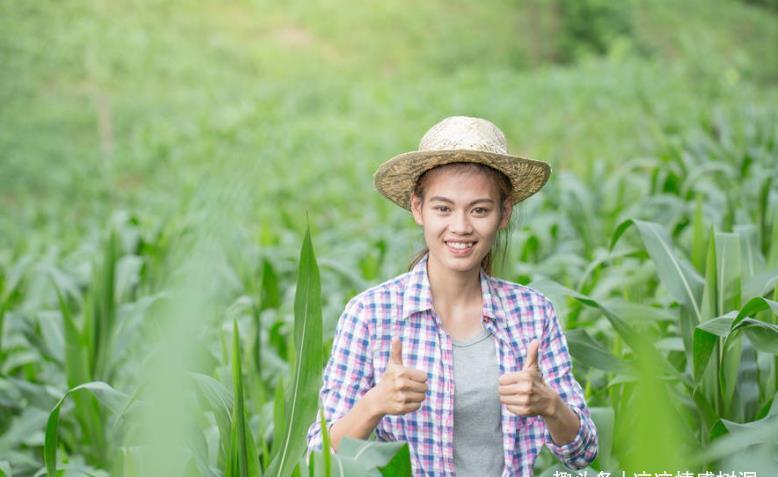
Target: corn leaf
(87, 410)
(243, 461)
(302, 395)
(279, 417)
(705, 339)
(104, 308)
(586, 350)
(772, 255)
(219, 400)
(108, 396)
(764, 336)
(341, 466)
(698, 246)
(728, 273)
(762, 283)
(752, 260)
(637, 312)
(739, 437)
(746, 399)
(754, 306)
(389, 458)
(270, 296)
(709, 308)
(326, 446)
(604, 419)
(678, 277)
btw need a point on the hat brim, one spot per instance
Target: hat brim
(396, 177)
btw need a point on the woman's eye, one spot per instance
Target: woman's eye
(480, 210)
(441, 208)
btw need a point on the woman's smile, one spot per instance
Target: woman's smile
(460, 248)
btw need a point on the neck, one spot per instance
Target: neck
(453, 289)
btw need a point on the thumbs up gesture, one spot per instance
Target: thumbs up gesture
(524, 392)
(401, 390)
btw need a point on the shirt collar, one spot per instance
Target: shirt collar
(418, 293)
(492, 306)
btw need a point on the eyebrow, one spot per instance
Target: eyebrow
(449, 201)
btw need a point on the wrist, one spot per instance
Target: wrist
(555, 407)
(373, 405)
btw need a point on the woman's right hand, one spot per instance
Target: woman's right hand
(401, 390)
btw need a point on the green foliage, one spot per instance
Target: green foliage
(773, 4)
(591, 27)
(175, 146)
(357, 458)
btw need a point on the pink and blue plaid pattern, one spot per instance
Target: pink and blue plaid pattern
(402, 307)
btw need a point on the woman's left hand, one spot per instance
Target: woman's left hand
(524, 392)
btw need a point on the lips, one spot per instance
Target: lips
(460, 247)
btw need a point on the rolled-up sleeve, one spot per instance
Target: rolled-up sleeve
(349, 371)
(557, 370)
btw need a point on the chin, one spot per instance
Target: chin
(464, 264)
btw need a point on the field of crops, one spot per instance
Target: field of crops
(186, 205)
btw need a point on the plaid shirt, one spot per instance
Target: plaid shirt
(402, 307)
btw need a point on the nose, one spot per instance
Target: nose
(460, 224)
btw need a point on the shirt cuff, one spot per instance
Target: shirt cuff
(572, 448)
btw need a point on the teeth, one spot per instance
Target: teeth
(460, 245)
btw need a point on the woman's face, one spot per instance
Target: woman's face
(460, 215)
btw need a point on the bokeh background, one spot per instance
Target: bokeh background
(160, 162)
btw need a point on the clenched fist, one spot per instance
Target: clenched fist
(401, 390)
(524, 392)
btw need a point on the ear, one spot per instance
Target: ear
(507, 210)
(416, 209)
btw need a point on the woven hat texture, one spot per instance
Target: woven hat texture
(460, 139)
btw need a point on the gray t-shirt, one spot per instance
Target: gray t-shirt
(478, 449)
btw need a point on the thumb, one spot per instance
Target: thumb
(397, 352)
(532, 355)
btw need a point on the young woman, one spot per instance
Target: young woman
(472, 371)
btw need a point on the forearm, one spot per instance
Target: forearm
(359, 422)
(562, 423)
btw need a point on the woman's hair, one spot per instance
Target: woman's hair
(504, 188)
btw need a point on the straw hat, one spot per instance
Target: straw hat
(459, 139)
